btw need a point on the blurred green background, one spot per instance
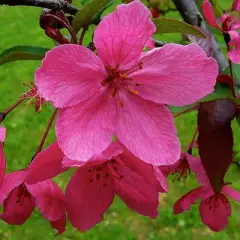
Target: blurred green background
(19, 25)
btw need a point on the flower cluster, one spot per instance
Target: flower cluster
(113, 124)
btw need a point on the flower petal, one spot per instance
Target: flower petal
(59, 225)
(147, 130)
(16, 212)
(185, 202)
(215, 211)
(87, 129)
(175, 74)
(2, 133)
(2, 164)
(69, 74)
(120, 37)
(232, 193)
(46, 164)
(236, 6)
(135, 190)
(88, 198)
(11, 181)
(197, 167)
(49, 199)
(234, 52)
(208, 13)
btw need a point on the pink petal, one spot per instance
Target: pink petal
(69, 75)
(163, 186)
(49, 199)
(2, 164)
(46, 164)
(175, 74)
(208, 13)
(11, 181)
(197, 167)
(215, 211)
(87, 129)
(234, 52)
(185, 202)
(138, 194)
(232, 193)
(147, 130)
(236, 5)
(16, 211)
(88, 197)
(150, 43)
(2, 133)
(59, 225)
(120, 37)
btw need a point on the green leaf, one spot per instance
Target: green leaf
(169, 25)
(84, 2)
(174, 109)
(222, 91)
(84, 16)
(22, 53)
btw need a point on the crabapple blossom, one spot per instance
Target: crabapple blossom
(2, 156)
(91, 190)
(122, 90)
(19, 200)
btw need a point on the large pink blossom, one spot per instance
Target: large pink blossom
(2, 156)
(19, 200)
(92, 187)
(122, 91)
(229, 25)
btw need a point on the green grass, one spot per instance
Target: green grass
(19, 25)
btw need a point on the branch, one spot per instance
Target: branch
(50, 4)
(191, 14)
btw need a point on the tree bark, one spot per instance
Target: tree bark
(50, 4)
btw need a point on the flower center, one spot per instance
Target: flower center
(214, 201)
(182, 170)
(22, 194)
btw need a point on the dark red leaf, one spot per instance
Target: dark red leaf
(215, 139)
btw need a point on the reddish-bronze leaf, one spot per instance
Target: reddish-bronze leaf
(215, 139)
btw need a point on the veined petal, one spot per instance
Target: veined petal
(11, 181)
(88, 197)
(17, 209)
(185, 202)
(49, 199)
(175, 74)
(147, 130)
(232, 193)
(87, 129)
(69, 74)
(120, 37)
(46, 164)
(215, 211)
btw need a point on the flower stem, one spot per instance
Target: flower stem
(231, 72)
(195, 107)
(46, 132)
(192, 141)
(82, 36)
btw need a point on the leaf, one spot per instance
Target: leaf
(174, 109)
(169, 25)
(84, 2)
(84, 16)
(22, 53)
(215, 139)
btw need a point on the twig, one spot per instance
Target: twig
(51, 4)
(191, 14)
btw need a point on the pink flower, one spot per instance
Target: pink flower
(236, 5)
(92, 187)
(2, 156)
(122, 91)
(214, 207)
(150, 43)
(229, 26)
(19, 200)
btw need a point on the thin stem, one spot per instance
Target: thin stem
(46, 131)
(82, 36)
(67, 26)
(6, 112)
(195, 107)
(192, 141)
(232, 77)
